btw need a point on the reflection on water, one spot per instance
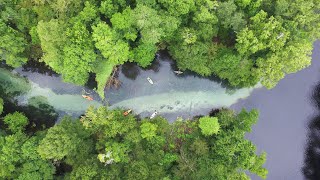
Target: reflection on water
(130, 70)
(311, 168)
(39, 67)
(11, 84)
(37, 108)
(40, 114)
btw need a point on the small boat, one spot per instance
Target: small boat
(87, 97)
(150, 80)
(127, 112)
(153, 115)
(178, 72)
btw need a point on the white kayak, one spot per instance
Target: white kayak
(178, 72)
(153, 115)
(150, 80)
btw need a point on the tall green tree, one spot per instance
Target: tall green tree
(64, 139)
(16, 122)
(13, 46)
(53, 38)
(18, 152)
(263, 34)
(230, 17)
(209, 126)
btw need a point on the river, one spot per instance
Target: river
(282, 131)
(286, 113)
(172, 95)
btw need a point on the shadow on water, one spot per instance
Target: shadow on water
(311, 168)
(155, 66)
(130, 70)
(41, 115)
(39, 67)
(133, 70)
(38, 111)
(91, 83)
(165, 56)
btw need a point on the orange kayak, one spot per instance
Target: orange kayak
(87, 97)
(126, 112)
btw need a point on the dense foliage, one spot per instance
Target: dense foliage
(243, 41)
(105, 144)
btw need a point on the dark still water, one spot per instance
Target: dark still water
(286, 113)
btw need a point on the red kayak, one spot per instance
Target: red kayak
(126, 112)
(87, 97)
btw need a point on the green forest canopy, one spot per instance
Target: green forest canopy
(242, 41)
(105, 144)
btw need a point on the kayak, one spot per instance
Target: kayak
(153, 115)
(150, 80)
(127, 112)
(87, 97)
(178, 72)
